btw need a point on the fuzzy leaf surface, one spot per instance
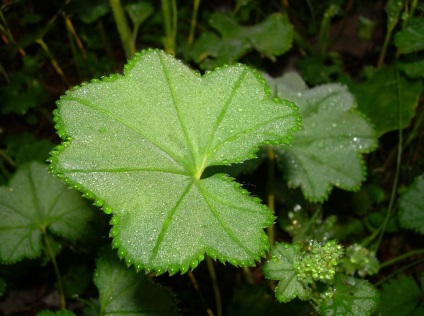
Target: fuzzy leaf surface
(411, 206)
(138, 143)
(124, 292)
(35, 202)
(281, 266)
(327, 151)
(351, 297)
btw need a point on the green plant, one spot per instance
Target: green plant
(300, 171)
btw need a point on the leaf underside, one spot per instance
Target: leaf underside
(327, 150)
(138, 144)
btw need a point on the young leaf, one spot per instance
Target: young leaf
(411, 38)
(327, 151)
(32, 204)
(124, 292)
(411, 206)
(237, 40)
(139, 143)
(400, 297)
(281, 266)
(351, 297)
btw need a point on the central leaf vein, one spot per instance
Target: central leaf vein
(168, 220)
(177, 110)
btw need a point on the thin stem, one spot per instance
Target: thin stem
(401, 257)
(398, 163)
(7, 158)
(53, 61)
(271, 195)
(123, 28)
(193, 22)
(197, 289)
(56, 269)
(215, 286)
(169, 11)
(398, 271)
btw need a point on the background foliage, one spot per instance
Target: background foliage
(351, 178)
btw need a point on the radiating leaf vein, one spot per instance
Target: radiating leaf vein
(109, 114)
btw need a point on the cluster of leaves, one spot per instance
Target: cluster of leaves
(166, 153)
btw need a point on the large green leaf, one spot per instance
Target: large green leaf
(271, 37)
(411, 206)
(138, 144)
(124, 292)
(33, 204)
(385, 96)
(282, 266)
(326, 152)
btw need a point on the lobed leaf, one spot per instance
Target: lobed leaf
(351, 297)
(124, 292)
(284, 259)
(236, 40)
(327, 151)
(386, 92)
(139, 143)
(411, 206)
(32, 204)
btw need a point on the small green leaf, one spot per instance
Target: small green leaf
(352, 297)
(400, 297)
(139, 12)
(237, 40)
(327, 151)
(411, 38)
(413, 69)
(139, 144)
(385, 92)
(411, 206)
(34, 203)
(124, 292)
(284, 259)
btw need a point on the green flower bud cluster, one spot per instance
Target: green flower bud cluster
(361, 260)
(319, 262)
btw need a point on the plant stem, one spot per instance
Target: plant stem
(401, 257)
(56, 269)
(197, 289)
(53, 61)
(270, 189)
(215, 286)
(169, 11)
(398, 271)
(398, 163)
(123, 28)
(193, 21)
